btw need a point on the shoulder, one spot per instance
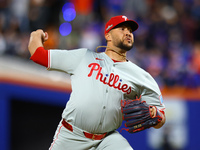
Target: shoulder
(72, 50)
(135, 69)
(78, 52)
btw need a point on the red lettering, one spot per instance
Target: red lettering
(124, 87)
(113, 80)
(99, 74)
(104, 80)
(129, 90)
(95, 67)
(118, 86)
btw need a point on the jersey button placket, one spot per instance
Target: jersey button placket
(113, 68)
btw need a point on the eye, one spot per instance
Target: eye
(130, 30)
(122, 28)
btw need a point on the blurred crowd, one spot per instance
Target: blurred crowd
(167, 43)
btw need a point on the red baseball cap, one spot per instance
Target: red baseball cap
(114, 21)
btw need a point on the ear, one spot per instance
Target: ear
(108, 36)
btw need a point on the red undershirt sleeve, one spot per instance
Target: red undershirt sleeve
(40, 56)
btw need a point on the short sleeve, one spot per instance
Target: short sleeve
(65, 60)
(150, 92)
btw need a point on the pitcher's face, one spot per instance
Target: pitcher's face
(122, 37)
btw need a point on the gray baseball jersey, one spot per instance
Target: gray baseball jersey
(98, 86)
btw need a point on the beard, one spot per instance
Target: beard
(124, 46)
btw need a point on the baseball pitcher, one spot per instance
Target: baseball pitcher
(106, 89)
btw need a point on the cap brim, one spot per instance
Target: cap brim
(134, 25)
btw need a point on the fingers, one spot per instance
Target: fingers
(45, 36)
(40, 34)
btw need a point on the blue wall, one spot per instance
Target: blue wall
(48, 97)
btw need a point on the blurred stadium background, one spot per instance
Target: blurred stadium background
(167, 45)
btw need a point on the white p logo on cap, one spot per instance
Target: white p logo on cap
(125, 18)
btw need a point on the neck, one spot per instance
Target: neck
(114, 54)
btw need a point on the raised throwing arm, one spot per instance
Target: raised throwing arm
(37, 38)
